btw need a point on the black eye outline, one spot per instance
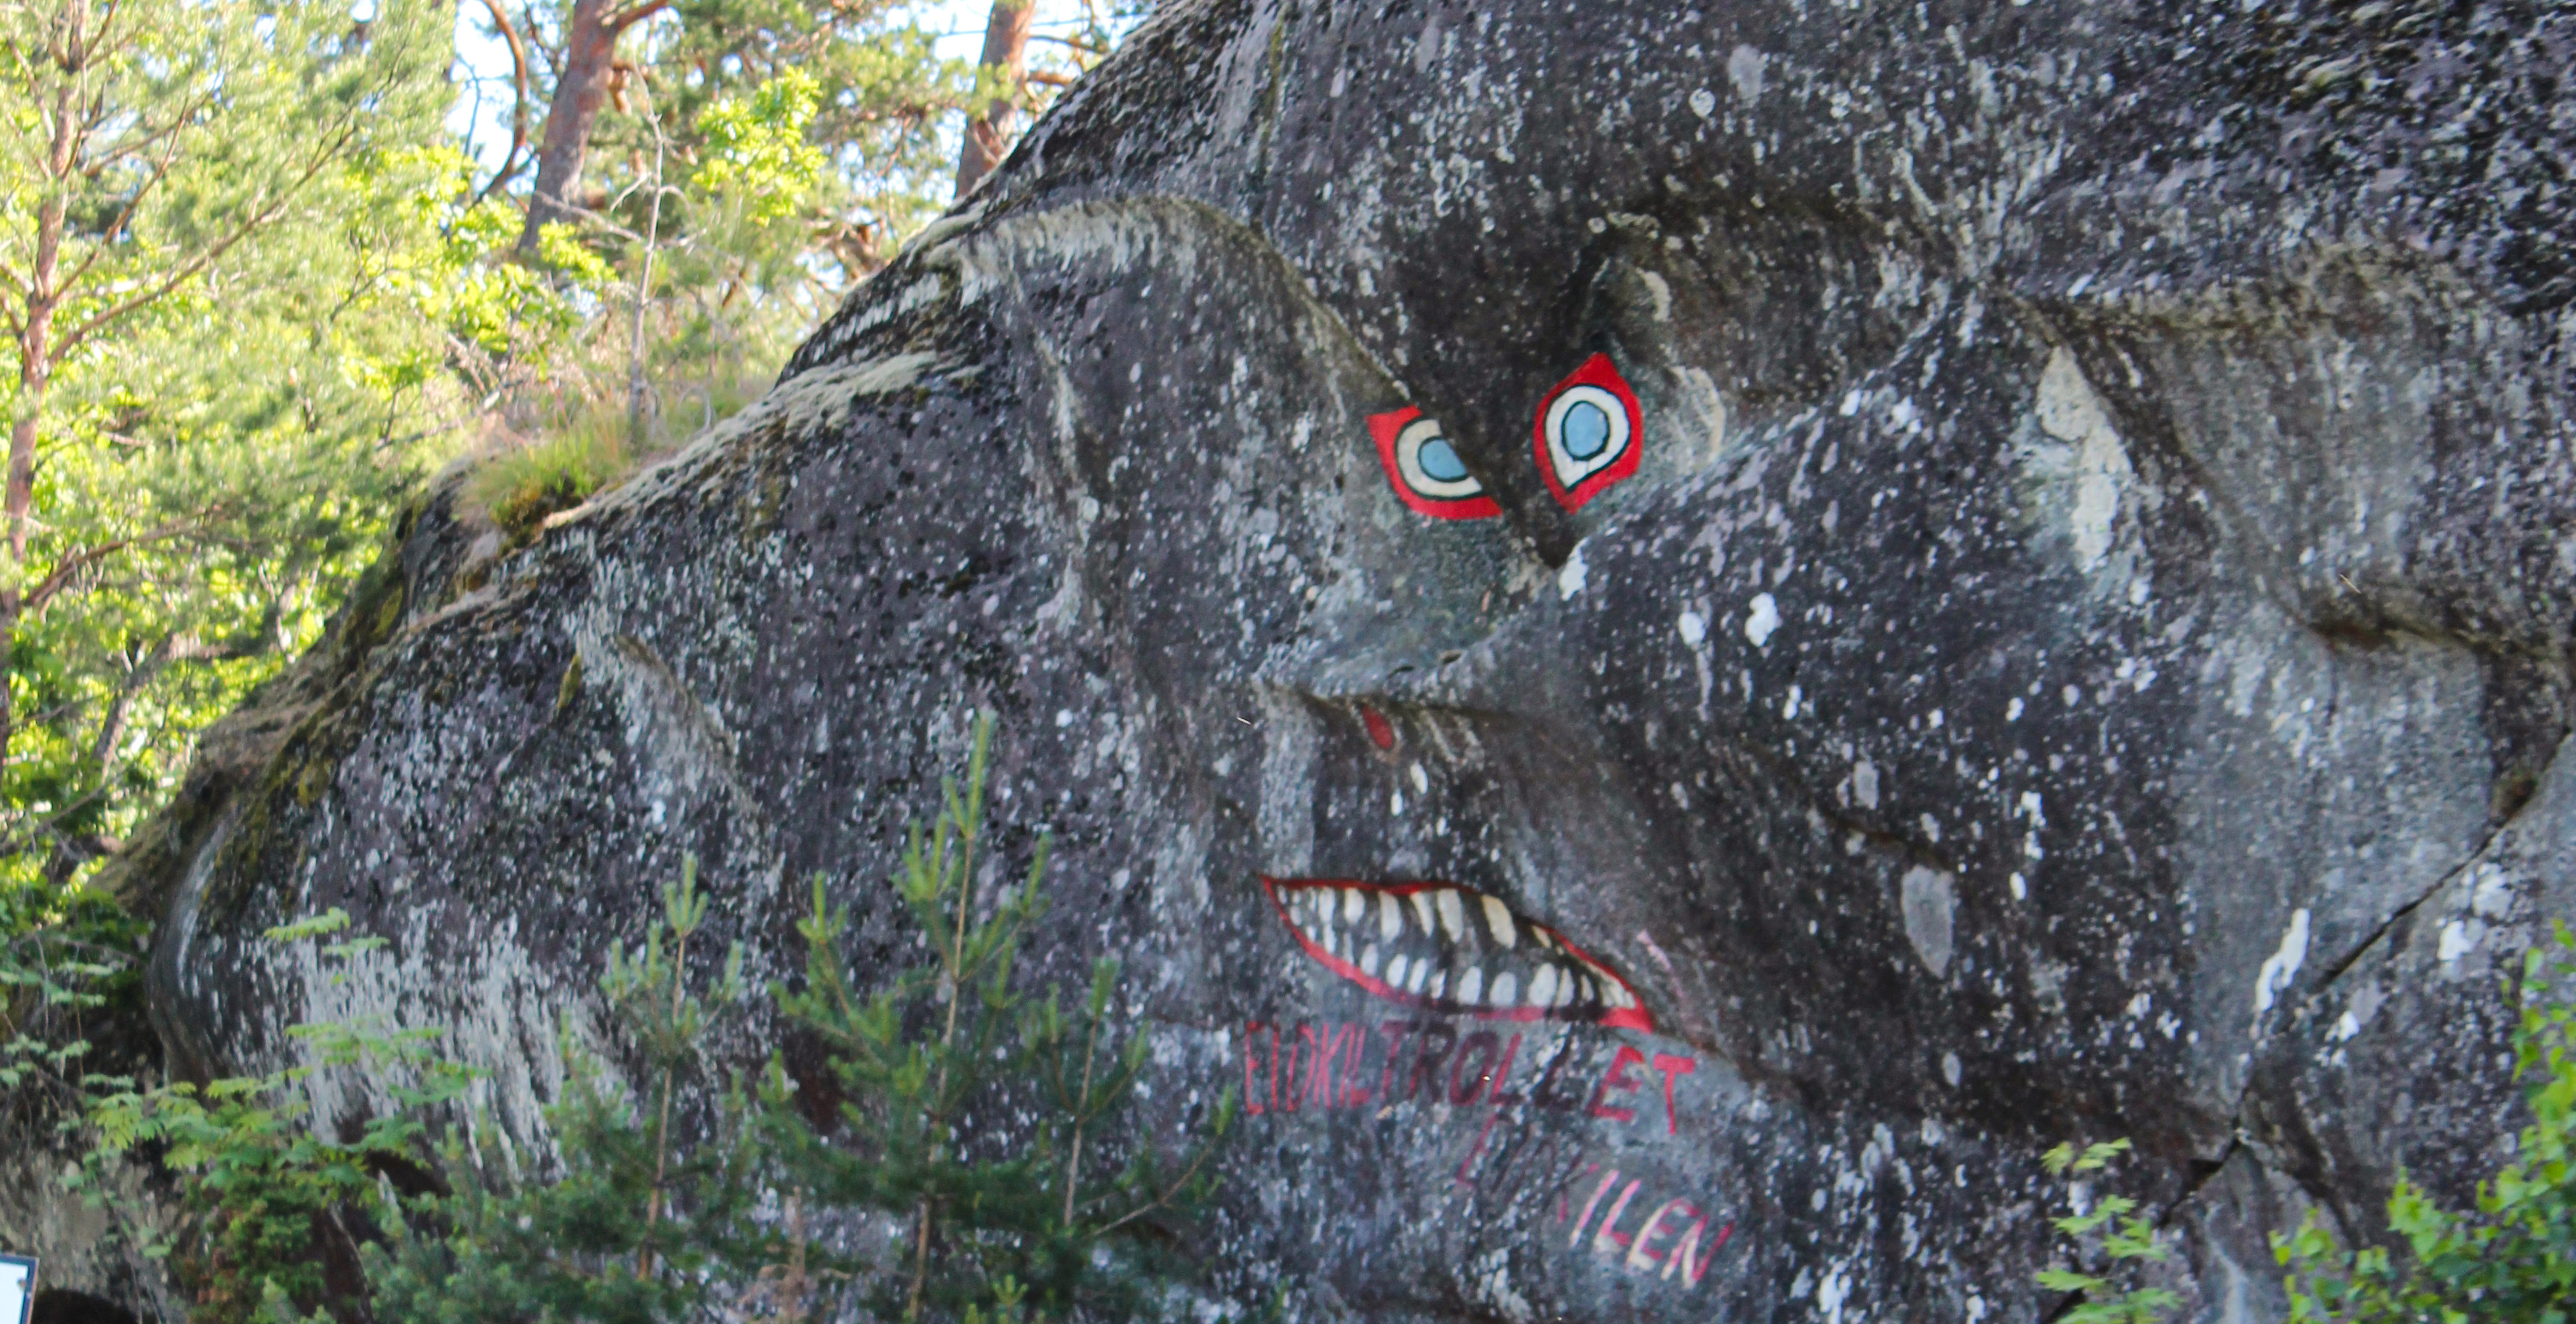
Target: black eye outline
(1574, 480)
(1400, 436)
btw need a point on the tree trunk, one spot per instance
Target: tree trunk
(36, 358)
(1006, 47)
(590, 51)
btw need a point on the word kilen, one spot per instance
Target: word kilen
(1676, 1223)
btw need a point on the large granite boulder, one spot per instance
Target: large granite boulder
(1677, 636)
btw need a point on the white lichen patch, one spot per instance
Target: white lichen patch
(1761, 617)
(1287, 813)
(2079, 493)
(1929, 900)
(1492, 1280)
(2282, 965)
(1699, 398)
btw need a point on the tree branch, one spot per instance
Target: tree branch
(1159, 1201)
(63, 347)
(160, 171)
(134, 145)
(510, 163)
(633, 14)
(72, 564)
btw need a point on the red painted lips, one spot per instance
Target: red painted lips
(1451, 948)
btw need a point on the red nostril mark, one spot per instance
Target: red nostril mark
(1379, 729)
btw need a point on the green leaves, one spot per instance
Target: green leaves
(756, 147)
(225, 381)
(2511, 1259)
(2129, 1238)
(262, 1188)
(64, 956)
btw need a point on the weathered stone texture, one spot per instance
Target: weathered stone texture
(2082, 653)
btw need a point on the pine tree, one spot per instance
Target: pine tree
(1031, 1223)
(637, 1223)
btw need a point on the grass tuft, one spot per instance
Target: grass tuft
(581, 448)
(559, 470)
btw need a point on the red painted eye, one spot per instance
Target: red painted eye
(1425, 469)
(1381, 731)
(1589, 433)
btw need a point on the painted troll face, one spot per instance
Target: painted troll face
(1443, 946)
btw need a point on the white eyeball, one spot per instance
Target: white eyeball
(1430, 466)
(1587, 431)
(1424, 469)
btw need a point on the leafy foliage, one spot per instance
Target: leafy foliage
(756, 148)
(230, 277)
(872, 165)
(265, 1193)
(68, 970)
(2511, 1260)
(2124, 1236)
(222, 382)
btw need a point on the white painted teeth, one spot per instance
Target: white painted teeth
(1453, 916)
(1369, 929)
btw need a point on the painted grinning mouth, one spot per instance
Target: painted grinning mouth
(1451, 948)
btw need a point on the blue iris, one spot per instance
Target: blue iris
(1439, 463)
(1586, 430)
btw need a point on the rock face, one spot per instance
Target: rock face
(1923, 583)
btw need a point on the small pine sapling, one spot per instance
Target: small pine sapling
(633, 1228)
(2126, 1238)
(1090, 1086)
(996, 1227)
